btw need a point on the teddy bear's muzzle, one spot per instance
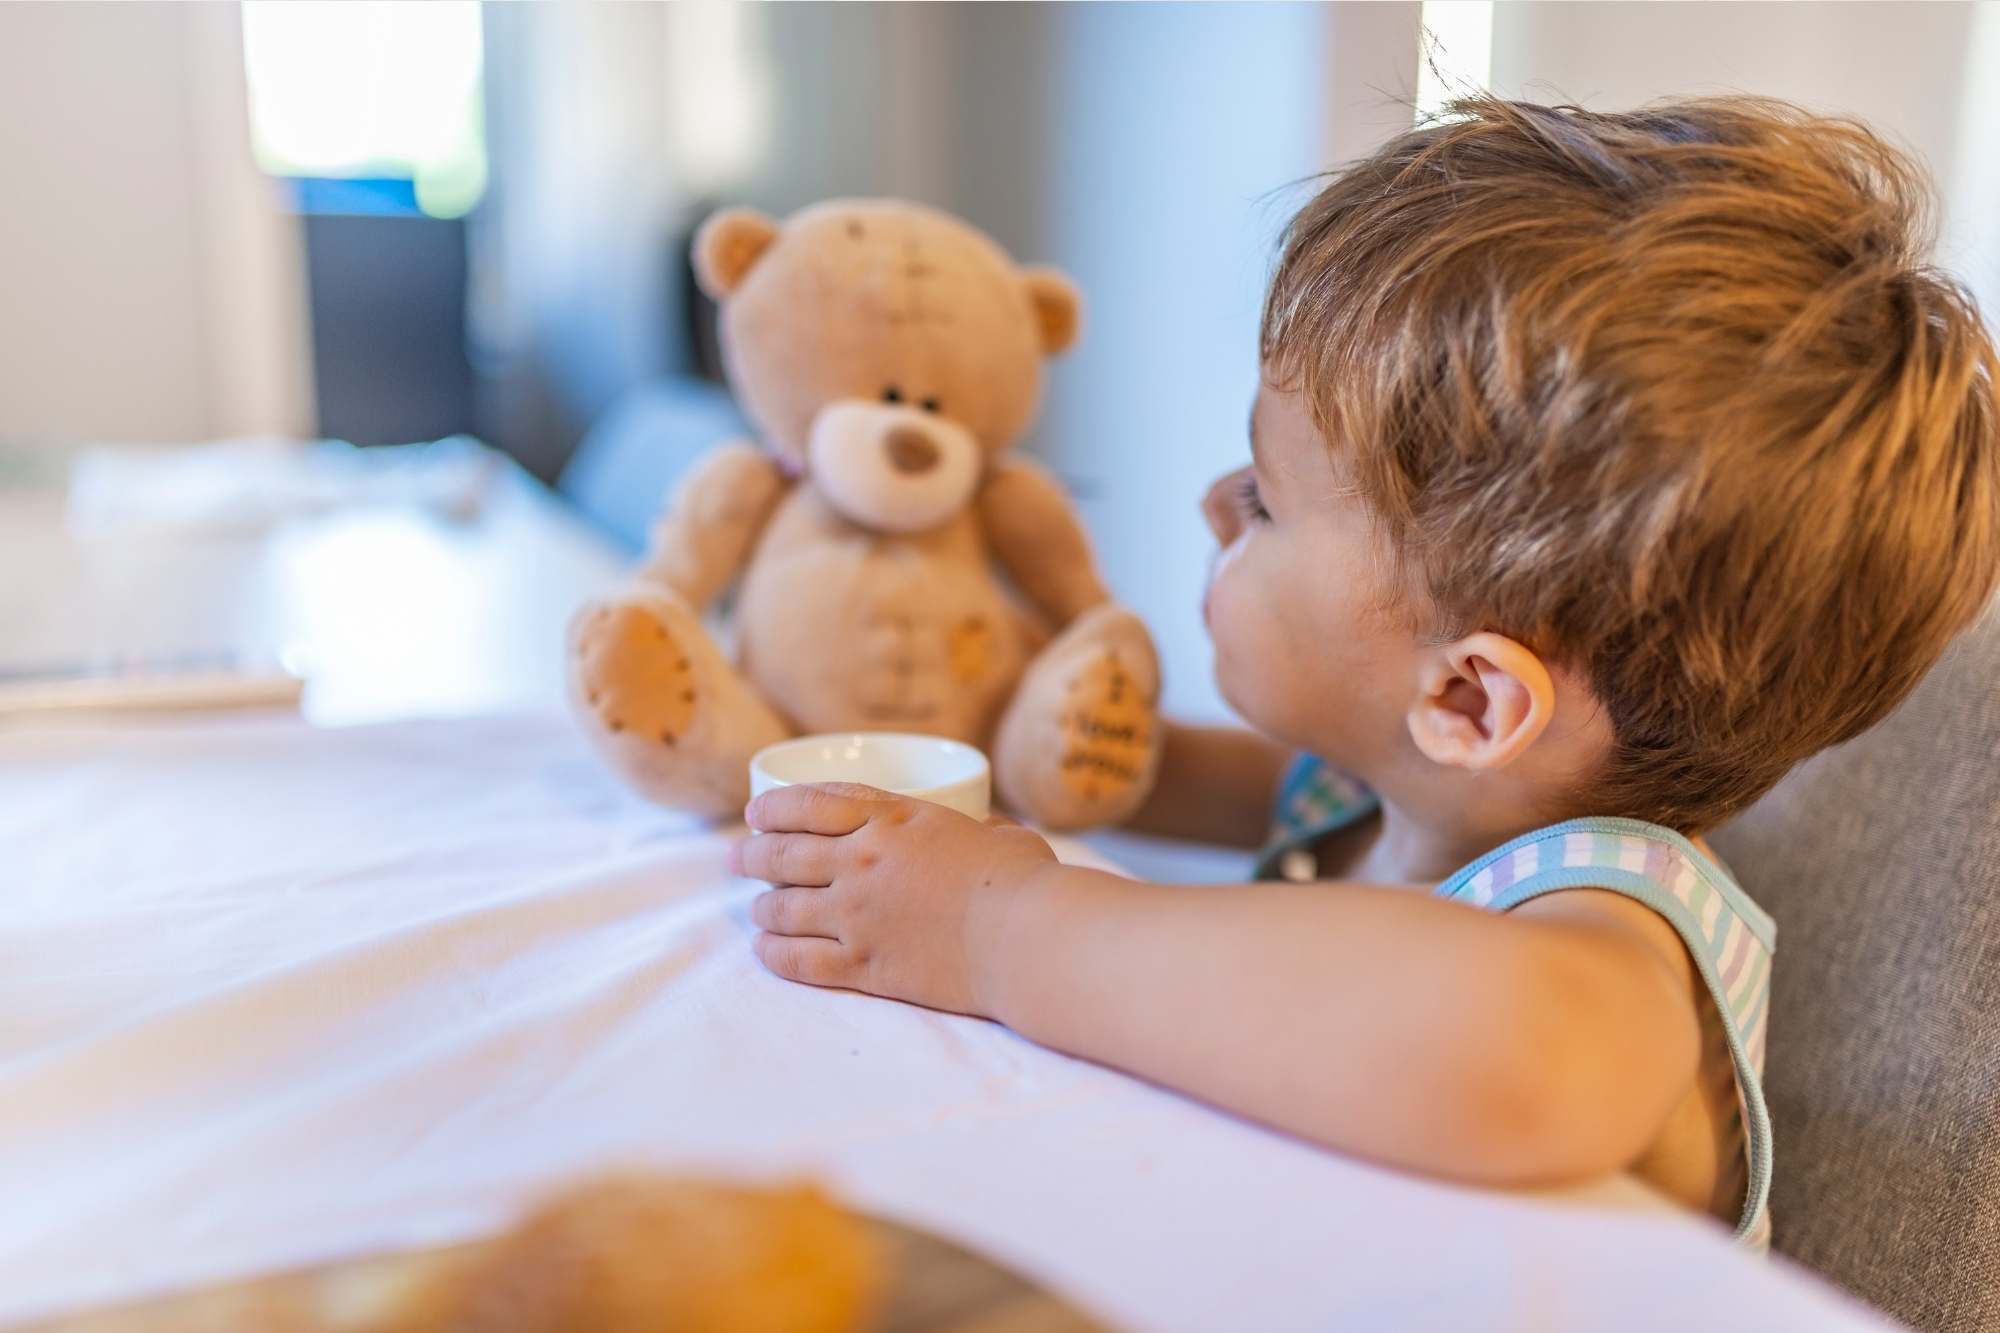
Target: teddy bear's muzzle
(889, 467)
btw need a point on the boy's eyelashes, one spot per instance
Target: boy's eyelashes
(1249, 500)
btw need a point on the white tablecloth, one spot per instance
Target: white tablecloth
(270, 995)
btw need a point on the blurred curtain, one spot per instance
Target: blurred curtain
(152, 273)
(571, 276)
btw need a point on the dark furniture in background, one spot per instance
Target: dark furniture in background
(387, 298)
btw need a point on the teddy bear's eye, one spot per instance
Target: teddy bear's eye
(892, 394)
(929, 404)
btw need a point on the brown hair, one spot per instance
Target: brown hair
(1671, 396)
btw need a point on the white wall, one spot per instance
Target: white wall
(1178, 123)
(1169, 137)
(149, 282)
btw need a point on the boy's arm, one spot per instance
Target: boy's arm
(1381, 1021)
(1216, 784)
(717, 512)
(1546, 1044)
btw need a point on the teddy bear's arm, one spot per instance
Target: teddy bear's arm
(704, 538)
(1039, 539)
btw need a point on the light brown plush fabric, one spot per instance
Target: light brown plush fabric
(854, 296)
(1027, 519)
(894, 570)
(706, 535)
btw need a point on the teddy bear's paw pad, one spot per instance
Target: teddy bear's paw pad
(970, 649)
(633, 674)
(1107, 730)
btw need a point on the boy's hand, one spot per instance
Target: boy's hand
(880, 893)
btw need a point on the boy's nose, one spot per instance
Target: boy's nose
(1220, 509)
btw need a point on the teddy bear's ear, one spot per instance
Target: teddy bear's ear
(726, 245)
(1058, 307)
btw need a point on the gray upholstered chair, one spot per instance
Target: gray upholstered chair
(1881, 862)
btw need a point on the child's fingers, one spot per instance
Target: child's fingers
(816, 962)
(828, 809)
(789, 858)
(800, 912)
(860, 791)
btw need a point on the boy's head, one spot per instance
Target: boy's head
(1645, 443)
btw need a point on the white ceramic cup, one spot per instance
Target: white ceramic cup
(929, 768)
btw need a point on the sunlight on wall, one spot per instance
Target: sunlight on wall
(1971, 240)
(719, 91)
(1458, 53)
(362, 88)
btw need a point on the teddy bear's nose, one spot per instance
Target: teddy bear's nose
(911, 451)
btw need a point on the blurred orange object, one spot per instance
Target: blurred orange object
(647, 1255)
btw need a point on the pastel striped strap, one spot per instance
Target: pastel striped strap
(1314, 800)
(1729, 937)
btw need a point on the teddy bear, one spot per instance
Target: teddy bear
(893, 566)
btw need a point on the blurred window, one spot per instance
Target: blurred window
(1457, 53)
(373, 106)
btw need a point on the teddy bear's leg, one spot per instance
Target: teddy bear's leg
(1080, 743)
(661, 703)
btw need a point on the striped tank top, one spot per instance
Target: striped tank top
(1729, 937)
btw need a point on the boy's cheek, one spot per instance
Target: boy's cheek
(1260, 670)
(1235, 630)
(1223, 589)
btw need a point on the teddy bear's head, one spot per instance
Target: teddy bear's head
(883, 348)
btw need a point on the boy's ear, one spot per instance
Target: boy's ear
(1481, 702)
(727, 245)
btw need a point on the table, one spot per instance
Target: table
(274, 993)
(390, 610)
